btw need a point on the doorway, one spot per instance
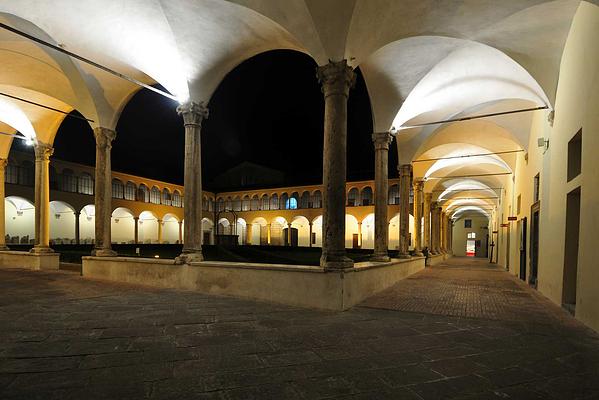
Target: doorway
(470, 247)
(522, 232)
(355, 241)
(571, 250)
(535, 210)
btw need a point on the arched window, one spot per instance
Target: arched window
(317, 199)
(366, 196)
(236, 204)
(353, 198)
(255, 204)
(394, 194)
(211, 204)
(130, 190)
(118, 190)
(143, 194)
(274, 202)
(284, 203)
(228, 203)
(220, 204)
(245, 204)
(12, 173)
(305, 200)
(205, 203)
(67, 181)
(265, 202)
(155, 195)
(291, 204)
(166, 197)
(86, 184)
(177, 201)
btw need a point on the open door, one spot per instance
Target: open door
(534, 244)
(522, 231)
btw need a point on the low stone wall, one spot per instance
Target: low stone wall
(302, 286)
(23, 259)
(437, 259)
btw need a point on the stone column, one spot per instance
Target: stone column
(336, 78)
(438, 229)
(77, 227)
(310, 242)
(180, 232)
(136, 230)
(443, 232)
(418, 185)
(249, 228)
(159, 221)
(289, 234)
(103, 192)
(43, 152)
(193, 115)
(427, 220)
(381, 140)
(3, 246)
(405, 175)
(434, 230)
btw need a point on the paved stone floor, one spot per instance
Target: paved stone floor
(460, 331)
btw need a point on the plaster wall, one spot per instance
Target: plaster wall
(460, 234)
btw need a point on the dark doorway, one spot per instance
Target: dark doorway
(571, 250)
(206, 239)
(355, 241)
(507, 247)
(294, 237)
(522, 230)
(535, 211)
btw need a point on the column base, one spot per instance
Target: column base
(41, 250)
(186, 258)
(418, 253)
(104, 253)
(380, 258)
(404, 256)
(336, 262)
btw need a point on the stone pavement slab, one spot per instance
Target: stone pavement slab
(464, 330)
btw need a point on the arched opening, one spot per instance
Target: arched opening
(368, 232)
(19, 219)
(278, 228)
(366, 196)
(122, 226)
(148, 228)
(143, 193)
(130, 190)
(85, 184)
(155, 195)
(207, 231)
(177, 199)
(166, 197)
(301, 236)
(62, 223)
(259, 232)
(352, 237)
(87, 224)
(353, 198)
(118, 189)
(170, 229)
(317, 232)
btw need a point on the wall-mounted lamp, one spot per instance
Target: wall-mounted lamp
(57, 216)
(544, 143)
(19, 213)
(116, 220)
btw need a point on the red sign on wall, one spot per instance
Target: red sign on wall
(512, 218)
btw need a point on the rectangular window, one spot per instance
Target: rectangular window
(575, 156)
(467, 223)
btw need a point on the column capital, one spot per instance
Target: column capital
(418, 185)
(336, 78)
(43, 151)
(382, 140)
(434, 204)
(193, 113)
(104, 137)
(136, 218)
(3, 163)
(405, 170)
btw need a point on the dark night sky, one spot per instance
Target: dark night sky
(268, 110)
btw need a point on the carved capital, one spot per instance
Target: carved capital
(336, 78)
(193, 113)
(43, 151)
(418, 186)
(382, 140)
(434, 206)
(104, 137)
(405, 170)
(3, 163)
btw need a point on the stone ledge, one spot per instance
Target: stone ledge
(33, 261)
(302, 286)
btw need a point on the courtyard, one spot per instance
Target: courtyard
(461, 330)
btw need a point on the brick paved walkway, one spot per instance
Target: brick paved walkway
(64, 337)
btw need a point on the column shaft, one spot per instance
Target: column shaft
(43, 152)
(159, 231)
(103, 192)
(381, 140)
(180, 232)
(77, 227)
(418, 185)
(3, 246)
(193, 115)
(405, 173)
(289, 234)
(434, 230)
(310, 242)
(248, 233)
(136, 230)
(336, 78)
(427, 220)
